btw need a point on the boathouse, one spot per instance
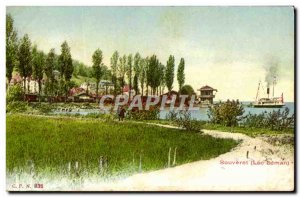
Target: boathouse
(207, 94)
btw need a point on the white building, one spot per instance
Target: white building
(103, 85)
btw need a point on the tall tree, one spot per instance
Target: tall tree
(170, 72)
(82, 70)
(129, 73)
(180, 74)
(143, 71)
(24, 66)
(49, 68)
(97, 68)
(153, 74)
(137, 70)
(106, 76)
(66, 66)
(11, 47)
(122, 68)
(114, 70)
(38, 63)
(162, 70)
(148, 75)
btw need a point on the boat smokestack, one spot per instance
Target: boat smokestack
(268, 91)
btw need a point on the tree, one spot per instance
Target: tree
(187, 90)
(73, 84)
(129, 73)
(106, 72)
(170, 72)
(24, 66)
(97, 68)
(143, 71)
(66, 66)
(153, 74)
(49, 68)
(136, 84)
(82, 70)
(106, 76)
(38, 62)
(11, 47)
(162, 70)
(137, 70)
(180, 74)
(76, 68)
(122, 71)
(148, 75)
(114, 70)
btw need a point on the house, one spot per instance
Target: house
(207, 94)
(83, 97)
(75, 91)
(89, 86)
(33, 86)
(104, 87)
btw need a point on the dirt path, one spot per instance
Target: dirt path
(215, 175)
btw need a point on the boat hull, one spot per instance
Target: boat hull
(268, 106)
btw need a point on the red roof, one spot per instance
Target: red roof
(75, 91)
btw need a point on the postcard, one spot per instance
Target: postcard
(147, 99)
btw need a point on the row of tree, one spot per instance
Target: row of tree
(33, 64)
(145, 73)
(141, 74)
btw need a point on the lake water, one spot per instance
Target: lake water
(200, 114)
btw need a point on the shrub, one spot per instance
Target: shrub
(187, 90)
(15, 93)
(16, 106)
(172, 115)
(228, 113)
(275, 120)
(44, 108)
(184, 120)
(151, 114)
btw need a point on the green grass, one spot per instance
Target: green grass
(252, 132)
(53, 142)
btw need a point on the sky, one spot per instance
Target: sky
(228, 48)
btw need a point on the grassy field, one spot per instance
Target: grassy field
(51, 143)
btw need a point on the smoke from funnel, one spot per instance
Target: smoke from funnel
(271, 68)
